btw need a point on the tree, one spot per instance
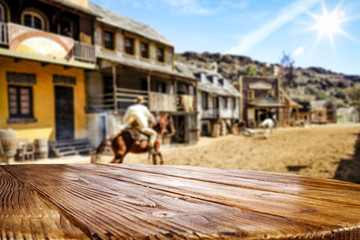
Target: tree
(250, 70)
(287, 66)
(354, 96)
(320, 95)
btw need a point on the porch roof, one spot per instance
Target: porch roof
(209, 87)
(144, 66)
(267, 100)
(116, 20)
(223, 91)
(46, 60)
(74, 6)
(267, 105)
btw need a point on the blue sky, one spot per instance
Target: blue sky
(323, 33)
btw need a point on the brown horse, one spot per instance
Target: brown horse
(123, 142)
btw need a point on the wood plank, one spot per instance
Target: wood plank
(304, 209)
(26, 216)
(274, 182)
(107, 206)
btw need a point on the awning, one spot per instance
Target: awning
(46, 60)
(267, 105)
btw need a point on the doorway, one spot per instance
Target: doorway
(64, 113)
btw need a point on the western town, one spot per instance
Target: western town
(161, 119)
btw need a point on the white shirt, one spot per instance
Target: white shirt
(140, 113)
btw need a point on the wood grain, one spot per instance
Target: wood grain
(25, 216)
(111, 201)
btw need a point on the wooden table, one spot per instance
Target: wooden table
(108, 201)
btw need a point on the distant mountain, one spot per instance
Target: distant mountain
(309, 83)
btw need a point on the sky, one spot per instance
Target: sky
(320, 33)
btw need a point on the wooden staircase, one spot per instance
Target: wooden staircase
(61, 148)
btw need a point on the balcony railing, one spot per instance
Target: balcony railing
(4, 35)
(162, 102)
(157, 102)
(84, 52)
(106, 101)
(81, 51)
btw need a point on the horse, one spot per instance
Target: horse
(124, 142)
(268, 124)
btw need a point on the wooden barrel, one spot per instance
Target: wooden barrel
(41, 148)
(9, 142)
(215, 130)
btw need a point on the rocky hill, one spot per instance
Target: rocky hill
(309, 83)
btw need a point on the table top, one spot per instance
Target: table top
(119, 201)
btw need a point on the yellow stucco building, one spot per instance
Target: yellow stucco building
(35, 85)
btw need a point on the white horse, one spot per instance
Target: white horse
(268, 124)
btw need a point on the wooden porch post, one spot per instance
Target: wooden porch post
(114, 88)
(297, 113)
(175, 93)
(148, 78)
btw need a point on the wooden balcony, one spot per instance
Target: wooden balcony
(4, 34)
(108, 102)
(157, 102)
(84, 52)
(66, 47)
(162, 102)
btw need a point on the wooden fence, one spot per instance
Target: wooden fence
(84, 52)
(160, 102)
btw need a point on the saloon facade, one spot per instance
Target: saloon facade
(45, 48)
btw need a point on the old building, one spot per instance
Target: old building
(217, 101)
(264, 98)
(323, 111)
(45, 47)
(260, 99)
(133, 60)
(347, 115)
(218, 104)
(289, 115)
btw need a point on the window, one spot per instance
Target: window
(2, 13)
(129, 45)
(66, 27)
(233, 103)
(160, 87)
(226, 103)
(250, 94)
(205, 100)
(160, 54)
(20, 102)
(109, 40)
(145, 50)
(34, 20)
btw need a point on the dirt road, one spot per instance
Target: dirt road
(325, 151)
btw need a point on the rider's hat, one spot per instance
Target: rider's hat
(139, 100)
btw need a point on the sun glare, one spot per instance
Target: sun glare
(329, 23)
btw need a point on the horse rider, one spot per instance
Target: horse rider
(140, 114)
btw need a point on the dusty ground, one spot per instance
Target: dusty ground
(327, 151)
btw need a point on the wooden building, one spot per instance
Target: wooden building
(218, 104)
(264, 98)
(260, 99)
(347, 115)
(289, 115)
(304, 111)
(134, 59)
(45, 47)
(323, 111)
(217, 101)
